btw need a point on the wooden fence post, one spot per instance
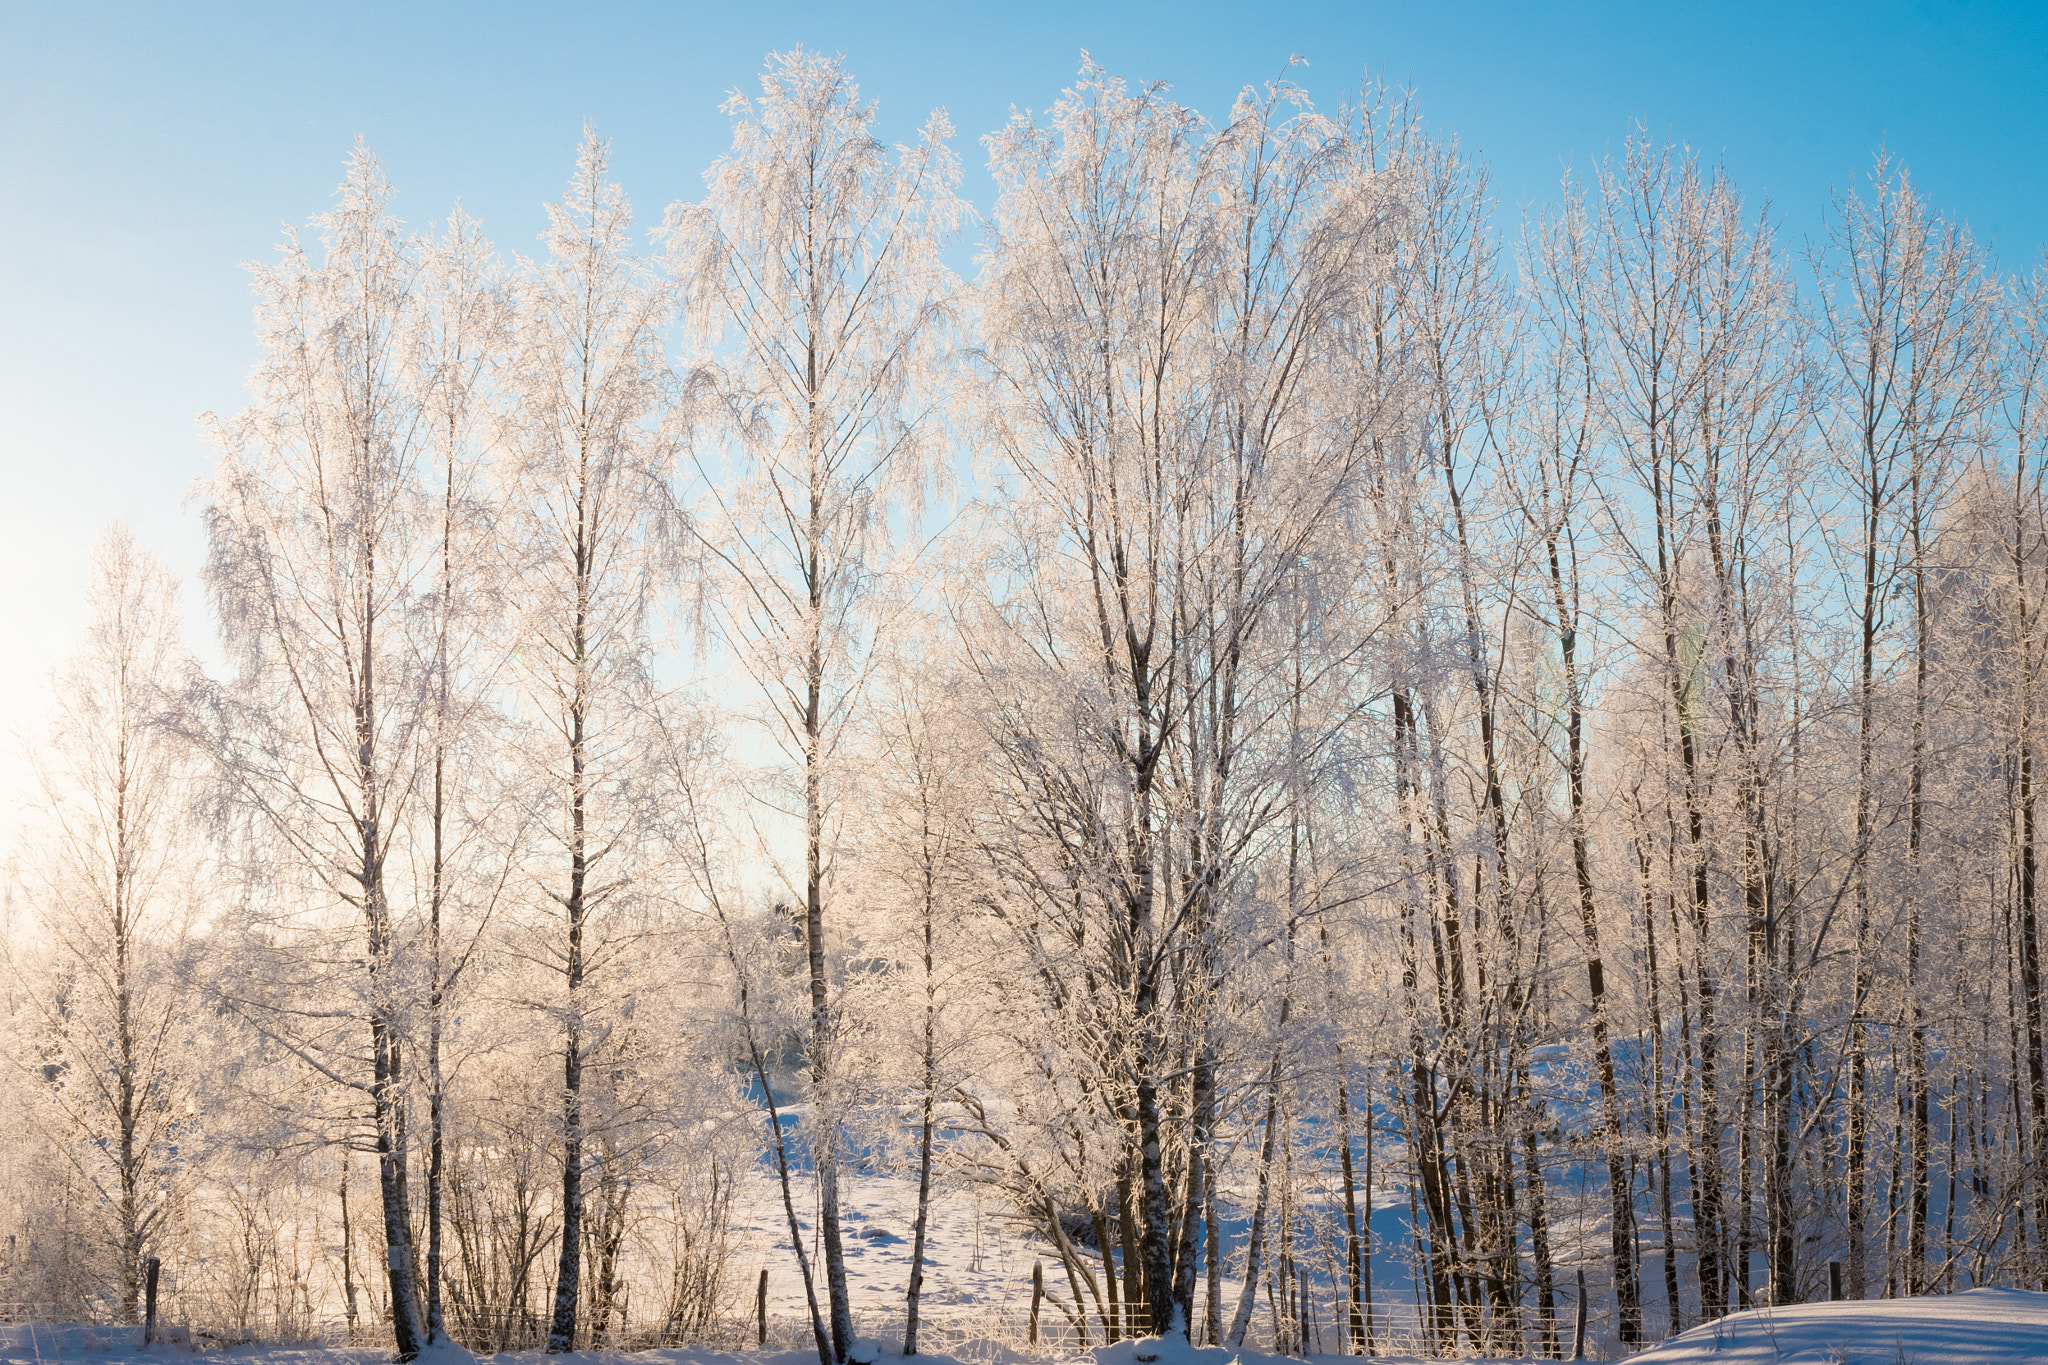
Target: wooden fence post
(151, 1269)
(1037, 1297)
(1579, 1331)
(761, 1307)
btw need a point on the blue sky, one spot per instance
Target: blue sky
(147, 149)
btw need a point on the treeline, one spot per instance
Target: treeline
(1279, 689)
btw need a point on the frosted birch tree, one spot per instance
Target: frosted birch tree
(1161, 302)
(586, 526)
(912, 854)
(316, 557)
(106, 901)
(2021, 539)
(458, 349)
(1905, 310)
(1656, 367)
(817, 287)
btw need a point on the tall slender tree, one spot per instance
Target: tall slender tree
(458, 349)
(1905, 311)
(817, 284)
(105, 896)
(588, 526)
(1153, 387)
(317, 557)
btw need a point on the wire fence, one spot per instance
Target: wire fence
(985, 1333)
(180, 1320)
(989, 1334)
(85, 1312)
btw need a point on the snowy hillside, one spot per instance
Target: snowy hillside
(977, 1285)
(1947, 1329)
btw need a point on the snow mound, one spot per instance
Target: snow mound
(1978, 1325)
(445, 1352)
(1172, 1349)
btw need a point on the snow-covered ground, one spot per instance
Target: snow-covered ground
(1945, 1329)
(1979, 1327)
(977, 1277)
(977, 1299)
(977, 1281)
(117, 1346)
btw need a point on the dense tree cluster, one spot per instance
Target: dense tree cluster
(1276, 692)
